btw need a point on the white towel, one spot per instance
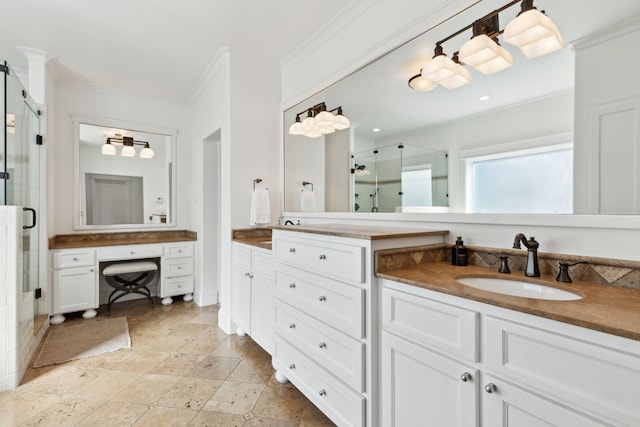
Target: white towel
(260, 210)
(308, 201)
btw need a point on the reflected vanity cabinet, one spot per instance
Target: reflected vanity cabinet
(75, 280)
(463, 363)
(253, 294)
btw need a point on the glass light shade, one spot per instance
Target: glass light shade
(325, 129)
(109, 149)
(295, 128)
(146, 153)
(439, 68)
(341, 122)
(485, 55)
(534, 33)
(461, 78)
(418, 82)
(324, 118)
(128, 151)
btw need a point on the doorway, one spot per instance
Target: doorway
(211, 219)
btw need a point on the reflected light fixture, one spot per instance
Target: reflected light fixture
(532, 31)
(128, 147)
(319, 121)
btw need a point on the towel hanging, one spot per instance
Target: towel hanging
(260, 209)
(307, 201)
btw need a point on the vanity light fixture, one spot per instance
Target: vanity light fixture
(319, 121)
(532, 31)
(128, 147)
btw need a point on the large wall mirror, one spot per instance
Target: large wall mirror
(504, 143)
(124, 175)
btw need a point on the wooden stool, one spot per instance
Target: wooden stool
(113, 272)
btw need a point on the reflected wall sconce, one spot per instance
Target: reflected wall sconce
(319, 121)
(128, 149)
(531, 30)
(359, 170)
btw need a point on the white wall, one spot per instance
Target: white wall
(100, 103)
(348, 47)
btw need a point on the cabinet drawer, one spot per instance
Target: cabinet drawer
(178, 250)
(336, 303)
(74, 258)
(177, 267)
(430, 323)
(342, 261)
(242, 255)
(337, 353)
(178, 285)
(129, 252)
(261, 262)
(588, 374)
(337, 401)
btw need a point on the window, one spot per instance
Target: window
(524, 181)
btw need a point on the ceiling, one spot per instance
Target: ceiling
(155, 49)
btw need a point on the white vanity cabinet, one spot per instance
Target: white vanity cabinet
(75, 283)
(177, 271)
(458, 362)
(253, 310)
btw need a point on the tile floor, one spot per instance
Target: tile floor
(182, 370)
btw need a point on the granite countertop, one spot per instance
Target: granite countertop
(259, 237)
(260, 242)
(374, 232)
(611, 309)
(86, 240)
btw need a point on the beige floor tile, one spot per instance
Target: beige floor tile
(190, 393)
(313, 417)
(147, 389)
(177, 364)
(141, 361)
(17, 406)
(106, 385)
(214, 368)
(234, 398)
(267, 422)
(113, 414)
(281, 403)
(208, 318)
(166, 417)
(59, 379)
(65, 412)
(202, 346)
(216, 419)
(257, 371)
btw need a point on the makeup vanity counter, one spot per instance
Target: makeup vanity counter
(492, 359)
(76, 259)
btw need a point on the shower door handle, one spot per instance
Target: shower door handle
(33, 222)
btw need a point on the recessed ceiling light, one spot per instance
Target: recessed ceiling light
(376, 129)
(484, 98)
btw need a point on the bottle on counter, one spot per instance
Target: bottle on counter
(459, 253)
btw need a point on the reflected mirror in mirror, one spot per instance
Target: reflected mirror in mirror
(520, 112)
(124, 177)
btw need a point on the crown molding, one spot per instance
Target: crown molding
(603, 35)
(219, 61)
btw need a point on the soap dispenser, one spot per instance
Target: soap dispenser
(459, 253)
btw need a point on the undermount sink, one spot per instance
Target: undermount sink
(518, 288)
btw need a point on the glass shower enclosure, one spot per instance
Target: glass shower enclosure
(20, 158)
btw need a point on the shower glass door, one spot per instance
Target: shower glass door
(22, 174)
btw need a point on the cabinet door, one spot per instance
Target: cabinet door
(242, 297)
(420, 387)
(508, 405)
(263, 311)
(75, 289)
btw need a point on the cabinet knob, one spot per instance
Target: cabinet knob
(322, 298)
(179, 251)
(292, 325)
(92, 270)
(247, 274)
(465, 377)
(490, 388)
(292, 366)
(76, 259)
(179, 268)
(292, 250)
(133, 253)
(322, 392)
(292, 285)
(322, 256)
(323, 345)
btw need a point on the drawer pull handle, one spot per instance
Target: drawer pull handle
(465, 377)
(490, 388)
(292, 366)
(292, 325)
(133, 253)
(179, 268)
(323, 392)
(322, 298)
(323, 345)
(179, 251)
(92, 270)
(76, 259)
(292, 285)
(292, 250)
(322, 256)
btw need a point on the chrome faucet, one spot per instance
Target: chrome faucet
(532, 269)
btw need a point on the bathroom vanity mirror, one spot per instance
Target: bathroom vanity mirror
(124, 175)
(529, 109)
